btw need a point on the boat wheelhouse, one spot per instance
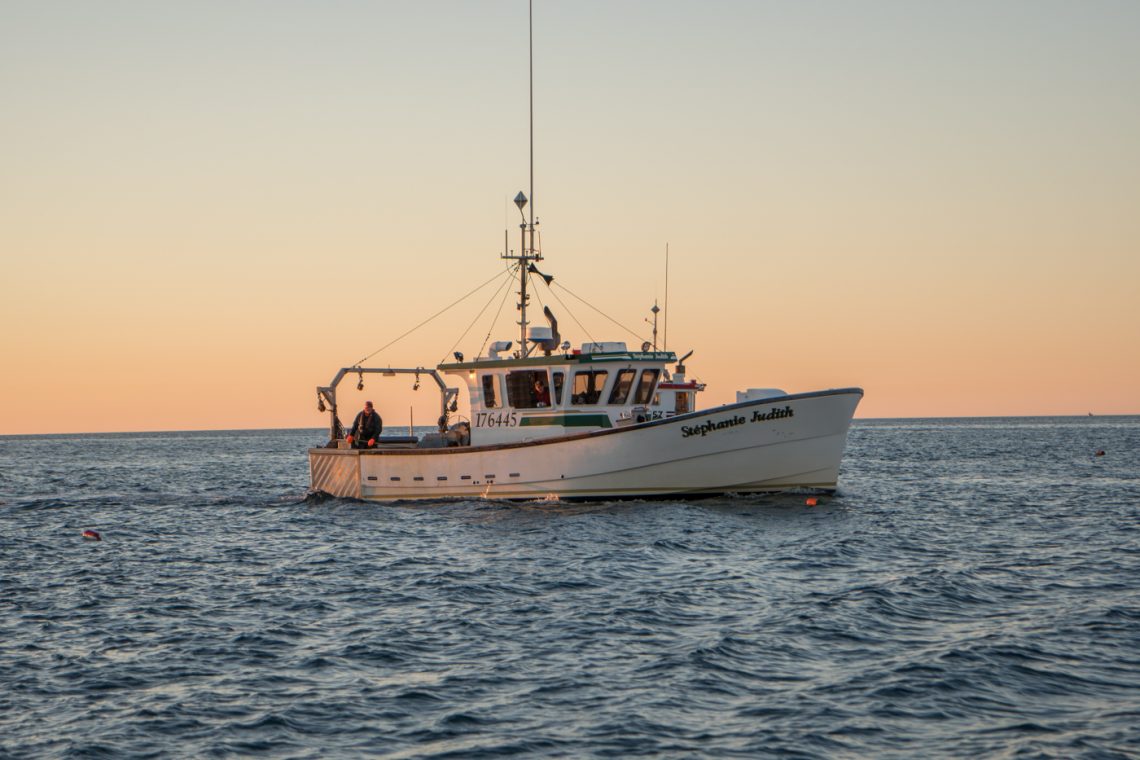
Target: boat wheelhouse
(596, 387)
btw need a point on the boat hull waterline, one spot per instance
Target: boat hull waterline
(761, 446)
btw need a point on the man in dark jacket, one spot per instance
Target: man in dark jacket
(366, 429)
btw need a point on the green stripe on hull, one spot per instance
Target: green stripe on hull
(568, 420)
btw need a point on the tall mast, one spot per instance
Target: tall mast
(530, 36)
(665, 346)
(527, 251)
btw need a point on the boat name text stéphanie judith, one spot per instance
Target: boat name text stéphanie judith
(757, 416)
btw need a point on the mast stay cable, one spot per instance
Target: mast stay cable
(429, 319)
(595, 308)
(495, 321)
(508, 280)
(578, 322)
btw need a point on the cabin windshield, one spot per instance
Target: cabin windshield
(624, 381)
(646, 385)
(588, 386)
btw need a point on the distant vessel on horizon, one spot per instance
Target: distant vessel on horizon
(594, 422)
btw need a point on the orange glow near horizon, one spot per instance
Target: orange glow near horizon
(936, 204)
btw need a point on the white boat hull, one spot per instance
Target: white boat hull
(773, 444)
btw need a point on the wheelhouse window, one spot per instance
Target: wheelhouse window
(588, 386)
(559, 380)
(490, 398)
(622, 384)
(645, 386)
(528, 389)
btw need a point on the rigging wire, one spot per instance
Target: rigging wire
(581, 326)
(537, 297)
(506, 281)
(498, 313)
(595, 308)
(433, 316)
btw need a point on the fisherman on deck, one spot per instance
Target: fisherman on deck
(366, 429)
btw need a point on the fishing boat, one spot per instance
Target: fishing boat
(599, 420)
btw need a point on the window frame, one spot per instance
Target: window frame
(557, 381)
(592, 397)
(681, 399)
(520, 388)
(489, 382)
(638, 397)
(631, 374)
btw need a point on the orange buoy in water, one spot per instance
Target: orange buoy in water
(92, 535)
(1099, 452)
(811, 502)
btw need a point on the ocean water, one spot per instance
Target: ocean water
(973, 590)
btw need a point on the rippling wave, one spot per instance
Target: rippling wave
(971, 590)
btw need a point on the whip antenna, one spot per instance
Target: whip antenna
(665, 337)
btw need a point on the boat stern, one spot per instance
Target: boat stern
(335, 472)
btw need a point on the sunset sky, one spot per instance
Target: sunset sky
(207, 208)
